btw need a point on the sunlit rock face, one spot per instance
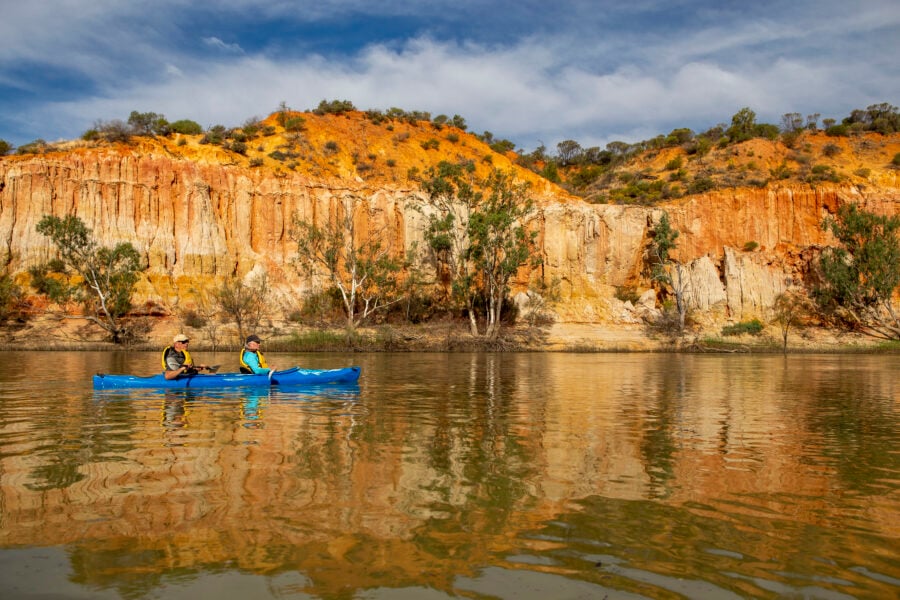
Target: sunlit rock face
(197, 219)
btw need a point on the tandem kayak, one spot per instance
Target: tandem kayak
(287, 377)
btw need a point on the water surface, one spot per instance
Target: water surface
(519, 476)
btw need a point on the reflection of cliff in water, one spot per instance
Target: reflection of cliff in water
(410, 483)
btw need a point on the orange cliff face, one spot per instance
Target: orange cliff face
(199, 213)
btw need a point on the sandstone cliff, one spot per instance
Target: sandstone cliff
(197, 218)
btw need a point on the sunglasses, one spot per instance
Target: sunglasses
(183, 342)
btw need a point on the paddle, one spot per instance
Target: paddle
(213, 368)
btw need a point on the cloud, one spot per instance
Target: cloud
(593, 76)
(218, 44)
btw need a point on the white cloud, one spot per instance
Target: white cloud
(540, 87)
(218, 44)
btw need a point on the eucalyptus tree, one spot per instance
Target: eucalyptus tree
(354, 258)
(478, 236)
(860, 276)
(666, 270)
(104, 277)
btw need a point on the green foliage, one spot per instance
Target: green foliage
(10, 297)
(661, 246)
(742, 127)
(331, 147)
(753, 327)
(568, 152)
(107, 275)
(860, 276)
(782, 171)
(750, 246)
(295, 124)
(477, 238)
(700, 185)
(356, 262)
(550, 172)
(675, 163)
(5, 147)
(644, 192)
(148, 124)
(896, 160)
(186, 127)
(215, 135)
(334, 107)
(882, 118)
(830, 150)
(837, 131)
(586, 175)
(679, 137)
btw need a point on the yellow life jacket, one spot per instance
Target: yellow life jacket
(245, 368)
(188, 362)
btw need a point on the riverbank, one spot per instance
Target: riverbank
(52, 332)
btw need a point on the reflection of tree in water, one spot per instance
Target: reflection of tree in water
(672, 544)
(475, 449)
(657, 444)
(73, 441)
(131, 570)
(857, 431)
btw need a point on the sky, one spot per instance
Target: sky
(530, 71)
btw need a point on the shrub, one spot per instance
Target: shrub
(214, 135)
(675, 163)
(863, 172)
(750, 246)
(700, 185)
(837, 131)
(753, 327)
(628, 294)
(36, 147)
(782, 171)
(294, 124)
(335, 107)
(896, 160)
(256, 162)
(831, 150)
(5, 147)
(331, 147)
(186, 127)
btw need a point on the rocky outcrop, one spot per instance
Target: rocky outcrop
(195, 222)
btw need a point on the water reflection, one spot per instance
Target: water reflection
(484, 475)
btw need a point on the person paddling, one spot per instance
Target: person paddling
(252, 360)
(176, 360)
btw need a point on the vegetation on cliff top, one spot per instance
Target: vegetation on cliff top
(398, 146)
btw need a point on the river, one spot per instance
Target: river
(519, 476)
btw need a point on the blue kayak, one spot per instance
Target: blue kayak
(287, 377)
